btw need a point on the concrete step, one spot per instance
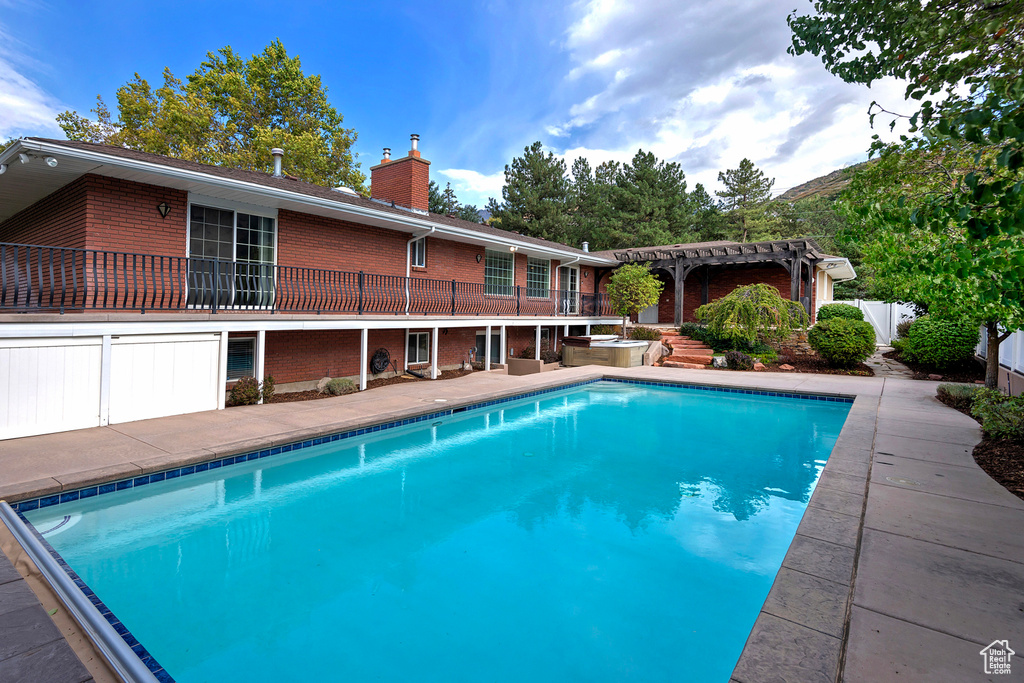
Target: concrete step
(690, 358)
(688, 366)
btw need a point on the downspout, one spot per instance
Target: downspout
(566, 265)
(408, 261)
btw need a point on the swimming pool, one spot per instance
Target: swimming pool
(605, 532)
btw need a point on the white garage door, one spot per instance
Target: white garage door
(49, 385)
(159, 375)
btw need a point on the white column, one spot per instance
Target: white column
(222, 370)
(261, 357)
(487, 348)
(588, 329)
(565, 331)
(536, 344)
(405, 351)
(364, 335)
(504, 347)
(433, 354)
(105, 381)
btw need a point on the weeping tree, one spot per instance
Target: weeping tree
(753, 313)
(633, 288)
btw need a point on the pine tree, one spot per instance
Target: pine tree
(747, 197)
(535, 197)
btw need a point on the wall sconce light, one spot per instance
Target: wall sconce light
(586, 273)
(164, 209)
(50, 161)
(479, 258)
(24, 158)
(3, 169)
(513, 249)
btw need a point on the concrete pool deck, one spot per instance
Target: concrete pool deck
(908, 561)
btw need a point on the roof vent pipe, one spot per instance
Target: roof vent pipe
(586, 246)
(415, 142)
(387, 155)
(278, 156)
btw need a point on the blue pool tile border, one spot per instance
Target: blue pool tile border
(134, 482)
(173, 473)
(131, 641)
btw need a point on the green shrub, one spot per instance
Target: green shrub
(959, 396)
(605, 329)
(246, 392)
(340, 386)
(691, 330)
(644, 333)
(903, 327)
(546, 355)
(269, 388)
(899, 345)
(767, 354)
(1001, 416)
(841, 342)
(752, 313)
(941, 343)
(845, 311)
(737, 360)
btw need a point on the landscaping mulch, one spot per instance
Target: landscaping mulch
(313, 394)
(967, 372)
(817, 366)
(1002, 459)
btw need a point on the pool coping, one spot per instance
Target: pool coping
(789, 639)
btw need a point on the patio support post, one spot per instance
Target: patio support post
(680, 276)
(364, 335)
(704, 281)
(536, 344)
(487, 348)
(405, 352)
(809, 286)
(504, 347)
(105, 381)
(261, 357)
(433, 354)
(588, 329)
(222, 370)
(794, 280)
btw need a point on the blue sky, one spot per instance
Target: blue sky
(701, 82)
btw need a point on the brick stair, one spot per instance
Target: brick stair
(686, 352)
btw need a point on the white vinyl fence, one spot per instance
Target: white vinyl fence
(883, 316)
(1011, 350)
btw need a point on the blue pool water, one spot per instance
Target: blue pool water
(605, 533)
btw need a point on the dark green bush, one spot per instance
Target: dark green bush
(269, 388)
(246, 392)
(1001, 416)
(845, 311)
(691, 330)
(767, 354)
(737, 360)
(605, 329)
(959, 396)
(899, 345)
(941, 343)
(546, 355)
(841, 342)
(724, 344)
(644, 333)
(341, 386)
(903, 327)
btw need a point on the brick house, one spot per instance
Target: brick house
(134, 285)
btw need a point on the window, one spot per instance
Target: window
(246, 242)
(481, 346)
(499, 273)
(545, 339)
(418, 348)
(241, 358)
(538, 277)
(418, 253)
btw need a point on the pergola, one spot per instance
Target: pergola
(798, 257)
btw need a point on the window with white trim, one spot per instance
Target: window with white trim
(241, 358)
(499, 273)
(538, 277)
(418, 348)
(418, 253)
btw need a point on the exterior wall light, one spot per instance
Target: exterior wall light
(479, 258)
(164, 209)
(50, 161)
(3, 169)
(24, 158)
(512, 249)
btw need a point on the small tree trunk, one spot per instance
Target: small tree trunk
(992, 355)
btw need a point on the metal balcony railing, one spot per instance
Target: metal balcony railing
(58, 279)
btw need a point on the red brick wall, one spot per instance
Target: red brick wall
(122, 216)
(402, 181)
(58, 220)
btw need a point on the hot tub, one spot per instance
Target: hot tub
(603, 350)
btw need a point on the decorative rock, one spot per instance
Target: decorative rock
(719, 362)
(321, 386)
(759, 366)
(935, 377)
(786, 366)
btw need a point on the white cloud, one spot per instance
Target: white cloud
(473, 187)
(27, 109)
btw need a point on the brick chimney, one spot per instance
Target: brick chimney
(402, 181)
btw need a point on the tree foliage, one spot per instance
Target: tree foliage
(753, 313)
(954, 219)
(747, 196)
(446, 203)
(535, 196)
(633, 288)
(231, 112)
